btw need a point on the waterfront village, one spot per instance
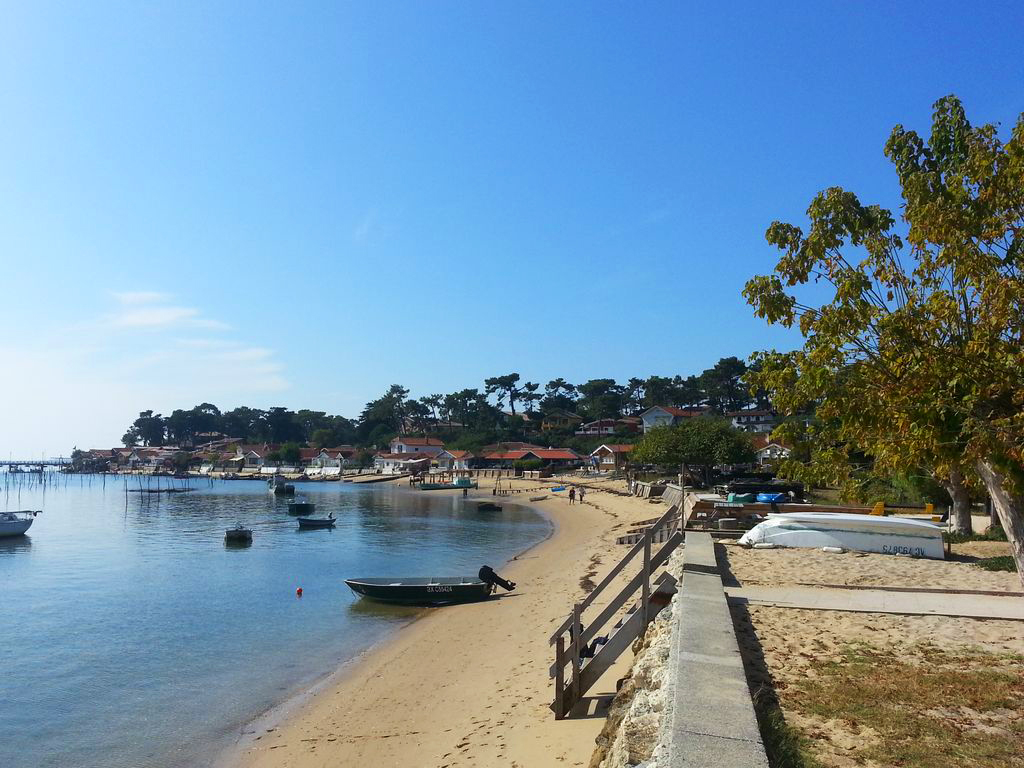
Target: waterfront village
(216, 454)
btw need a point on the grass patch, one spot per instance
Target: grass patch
(950, 709)
(1000, 563)
(994, 533)
(785, 745)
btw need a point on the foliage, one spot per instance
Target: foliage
(703, 441)
(916, 358)
(999, 563)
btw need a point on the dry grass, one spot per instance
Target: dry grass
(920, 710)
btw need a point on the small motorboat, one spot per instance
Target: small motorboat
(861, 533)
(277, 486)
(238, 535)
(317, 522)
(16, 523)
(305, 508)
(431, 590)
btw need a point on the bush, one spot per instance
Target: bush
(1001, 563)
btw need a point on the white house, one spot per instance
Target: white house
(667, 416)
(758, 421)
(769, 451)
(454, 460)
(429, 446)
(398, 463)
(608, 458)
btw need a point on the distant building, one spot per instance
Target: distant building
(550, 457)
(611, 457)
(769, 451)
(754, 420)
(398, 463)
(609, 426)
(668, 416)
(431, 446)
(559, 419)
(454, 460)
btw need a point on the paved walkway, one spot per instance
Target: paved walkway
(882, 601)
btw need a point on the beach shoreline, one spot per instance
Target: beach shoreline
(459, 685)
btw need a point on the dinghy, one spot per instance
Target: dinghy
(316, 522)
(431, 590)
(238, 535)
(861, 533)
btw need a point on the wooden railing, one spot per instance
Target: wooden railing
(573, 636)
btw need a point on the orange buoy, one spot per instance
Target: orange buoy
(298, 592)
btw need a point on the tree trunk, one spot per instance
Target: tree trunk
(1010, 509)
(956, 487)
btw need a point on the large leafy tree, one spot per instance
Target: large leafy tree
(700, 442)
(916, 355)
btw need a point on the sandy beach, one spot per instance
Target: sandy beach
(467, 685)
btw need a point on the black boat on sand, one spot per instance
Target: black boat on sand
(431, 590)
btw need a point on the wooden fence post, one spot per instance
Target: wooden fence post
(647, 577)
(560, 678)
(577, 631)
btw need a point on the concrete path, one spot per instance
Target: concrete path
(881, 601)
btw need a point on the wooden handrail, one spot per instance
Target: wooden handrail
(588, 633)
(637, 548)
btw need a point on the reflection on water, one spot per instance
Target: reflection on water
(128, 609)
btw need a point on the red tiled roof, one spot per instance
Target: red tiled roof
(419, 441)
(763, 440)
(308, 453)
(506, 455)
(556, 453)
(461, 454)
(404, 456)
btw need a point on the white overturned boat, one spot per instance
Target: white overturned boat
(16, 523)
(862, 533)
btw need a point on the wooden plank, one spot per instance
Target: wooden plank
(607, 579)
(576, 644)
(646, 583)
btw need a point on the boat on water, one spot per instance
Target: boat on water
(429, 590)
(447, 486)
(16, 523)
(279, 487)
(488, 506)
(238, 535)
(861, 533)
(317, 522)
(301, 507)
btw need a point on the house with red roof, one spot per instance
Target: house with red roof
(769, 451)
(611, 457)
(551, 457)
(399, 463)
(451, 459)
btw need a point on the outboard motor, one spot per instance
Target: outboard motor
(488, 576)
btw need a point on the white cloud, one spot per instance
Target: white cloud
(148, 310)
(69, 394)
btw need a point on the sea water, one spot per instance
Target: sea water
(131, 635)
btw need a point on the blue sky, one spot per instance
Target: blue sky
(300, 204)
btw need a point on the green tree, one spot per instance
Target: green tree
(507, 389)
(722, 385)
(916, 357)
(558, 395)
(601, 399)
(290, 453)
(700, 442)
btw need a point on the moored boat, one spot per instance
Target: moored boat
(488, 506)
(16, 523)
(305, 508)
(861, 533)
(238, 535)
(431, 590)
(317, 522)
(279, 487)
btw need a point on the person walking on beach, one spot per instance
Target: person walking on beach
(582, 492)
(572, 495)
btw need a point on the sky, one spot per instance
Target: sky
(299, 204)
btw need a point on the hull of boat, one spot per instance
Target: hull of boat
(422, 591)
(861, 533)
(309, 522)
(301, 508)
(14, 527)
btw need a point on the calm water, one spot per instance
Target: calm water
(131, 636)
